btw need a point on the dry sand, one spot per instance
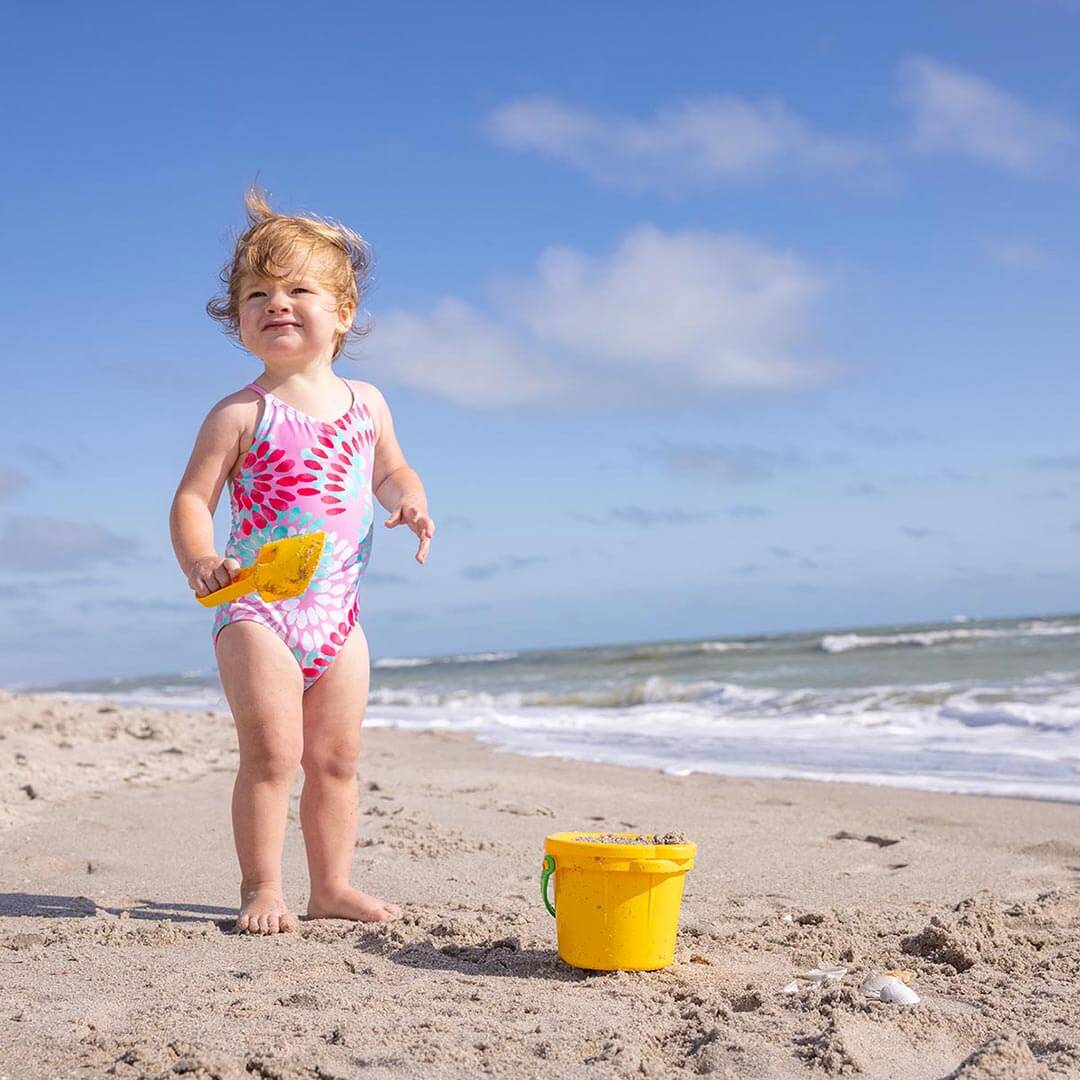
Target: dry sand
(119, 886)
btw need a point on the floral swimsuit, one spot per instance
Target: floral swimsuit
(305, 475)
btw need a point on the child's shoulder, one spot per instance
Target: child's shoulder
(367, 392)
(371, 396)
(232, 419)
(244, 396)
(237, 406)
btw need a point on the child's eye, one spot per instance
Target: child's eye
(259, 292)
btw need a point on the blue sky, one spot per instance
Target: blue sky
(695, 320)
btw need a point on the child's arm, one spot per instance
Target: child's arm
(191, 518)
(395, 484)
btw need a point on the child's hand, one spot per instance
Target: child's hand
(414, 515)
(212, 573)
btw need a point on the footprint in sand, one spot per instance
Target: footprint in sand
(522, 811)
(880, 841)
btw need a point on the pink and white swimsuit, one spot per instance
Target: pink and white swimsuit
(303, 475)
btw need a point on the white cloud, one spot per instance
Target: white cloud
(956, 112)
(456, 353)
(665, 316)
(707, 139)
(726, 137)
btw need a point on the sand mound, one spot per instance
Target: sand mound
(1006, 1058)
(1019, 938)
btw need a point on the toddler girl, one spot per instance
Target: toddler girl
(303, 451)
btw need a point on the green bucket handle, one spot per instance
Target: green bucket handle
(545, 877)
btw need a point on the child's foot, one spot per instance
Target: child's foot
(263, 911)
(351, 903)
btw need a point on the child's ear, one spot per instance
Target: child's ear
(346, 314)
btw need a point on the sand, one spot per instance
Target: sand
(644, 839)
(119, 887)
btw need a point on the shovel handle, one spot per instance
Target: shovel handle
(547, 870)
(242, 584)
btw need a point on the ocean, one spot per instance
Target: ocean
(978, 706)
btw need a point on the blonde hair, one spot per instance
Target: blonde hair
(269, 243)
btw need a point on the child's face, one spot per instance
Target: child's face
(297, 318)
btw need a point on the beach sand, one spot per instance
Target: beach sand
(120, 884)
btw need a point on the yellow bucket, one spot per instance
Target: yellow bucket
(616, 905)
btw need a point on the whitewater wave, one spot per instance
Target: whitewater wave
(993, 740)
(839, 643)
(1049, 711)
(427, 661)
(651, 691)
(671, 651)
(480, 658)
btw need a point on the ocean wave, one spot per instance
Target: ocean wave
(717, 700)
(980, 709)
(654, 690)
(877, 735)
(427, 661)
(1046, 703)
(838, 643)
(1045, 629)
(150, 697)
(671, 651)
(480, 658)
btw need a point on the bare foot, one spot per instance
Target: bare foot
(351, 903)
(263, 911)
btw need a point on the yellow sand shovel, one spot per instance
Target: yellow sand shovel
(283, 569)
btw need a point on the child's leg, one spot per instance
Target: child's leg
(264, 686)
(333, 710)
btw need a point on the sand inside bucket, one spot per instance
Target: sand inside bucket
(644, 839)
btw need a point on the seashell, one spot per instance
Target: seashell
(897, 993)
(791, 988)
(824, 974)
(872, 984)
(903, 976)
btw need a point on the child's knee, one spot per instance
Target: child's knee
(272, 760)
(334, 760)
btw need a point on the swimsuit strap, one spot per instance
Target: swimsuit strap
(268, 395)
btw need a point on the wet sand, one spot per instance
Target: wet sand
(119, 888)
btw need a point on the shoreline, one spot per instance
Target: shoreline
(925, 784)
(120, 881)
